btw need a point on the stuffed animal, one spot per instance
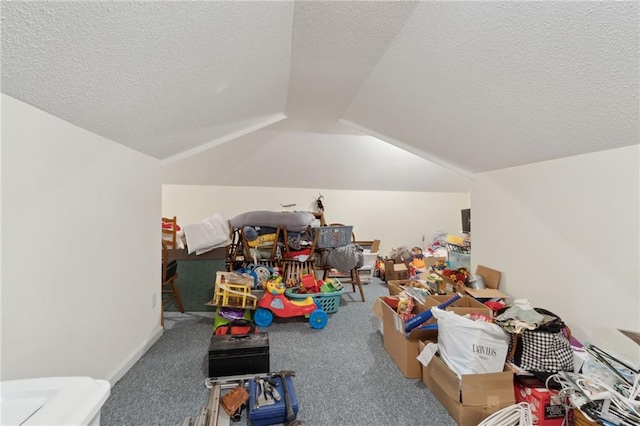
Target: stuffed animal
(400, 254)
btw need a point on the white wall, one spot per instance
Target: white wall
(278, 156)
(80, 249)
(565, 235)
(395, 218)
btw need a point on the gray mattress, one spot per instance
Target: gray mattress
(293, 221)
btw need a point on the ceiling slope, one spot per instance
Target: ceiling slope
(488, 85)
(294, 159)
(159, 77)
(335, 47)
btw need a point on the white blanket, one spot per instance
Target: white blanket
(209, 233)
(179, 239)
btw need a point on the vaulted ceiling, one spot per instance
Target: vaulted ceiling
(333, 94)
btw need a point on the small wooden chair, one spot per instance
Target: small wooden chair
(233, 291)
(169, 231)
(169, 287)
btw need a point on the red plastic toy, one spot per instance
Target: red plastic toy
(274, 302)
(308, 284)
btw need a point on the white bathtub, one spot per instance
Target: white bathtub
(53, 401)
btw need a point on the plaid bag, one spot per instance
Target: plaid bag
(545, 349)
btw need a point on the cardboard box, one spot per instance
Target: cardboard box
(472, 399)
(377, 308)
(436, 287)
(403, 350)
(430, 261)
(546, 407)
(580, 419)
(491, 280)
(395, 271)
(463, 306)
(377, 311)
(395, 286)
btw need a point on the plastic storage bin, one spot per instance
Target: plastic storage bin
(369, 259)
(366, 274)
(73, 400)
(333, 236)
(459, 260)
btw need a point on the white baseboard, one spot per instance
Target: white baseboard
(121, 370)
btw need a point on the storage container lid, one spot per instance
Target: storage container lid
(233, 345)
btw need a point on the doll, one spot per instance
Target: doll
(417, 258)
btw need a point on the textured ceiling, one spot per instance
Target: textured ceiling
(466, 86)
(335, 46)
(489, 85)
(160, 77)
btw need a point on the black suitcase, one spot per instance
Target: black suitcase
(234, 355)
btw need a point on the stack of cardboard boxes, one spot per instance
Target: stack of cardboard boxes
(468, 400)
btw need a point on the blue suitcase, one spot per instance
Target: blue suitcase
(271, 414)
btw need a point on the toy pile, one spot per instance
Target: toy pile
(458, 276)
(309, 285)
(438, 246)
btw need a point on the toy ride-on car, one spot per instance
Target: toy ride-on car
(274, 302)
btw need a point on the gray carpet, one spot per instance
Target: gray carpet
(343, 374)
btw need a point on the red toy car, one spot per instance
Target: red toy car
(274, 302)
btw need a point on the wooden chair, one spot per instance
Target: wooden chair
(355, 281)
(170, 291)
(169, 230)
(293, 269)
(354, 273)
(247, 247)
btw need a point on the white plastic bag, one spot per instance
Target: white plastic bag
(470, 347)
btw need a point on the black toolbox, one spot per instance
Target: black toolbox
(234, 355)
